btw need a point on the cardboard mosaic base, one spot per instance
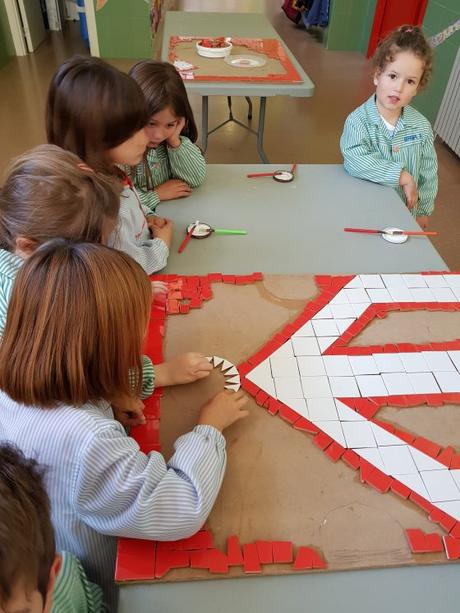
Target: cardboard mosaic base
(335, 496)
(277, 67)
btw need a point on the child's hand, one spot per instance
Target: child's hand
(223, 410)
(155, 221)
(409, 186)
(128, 411)
(174, 140)
(422, 221)
(174, 188)
(186, 368)
(165, 232)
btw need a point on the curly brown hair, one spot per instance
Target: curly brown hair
(405, 38)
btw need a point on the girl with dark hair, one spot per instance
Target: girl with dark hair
(172, 164)
(100, 114)
(387, 141)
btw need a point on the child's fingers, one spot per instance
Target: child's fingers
(201, 374)
(241, 415)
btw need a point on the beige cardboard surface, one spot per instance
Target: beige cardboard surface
(278, 484)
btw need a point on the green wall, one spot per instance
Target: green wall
(439, 14)
(123, 29)
(6, 42)
(350, 23)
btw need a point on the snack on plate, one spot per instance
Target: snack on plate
(214, 43)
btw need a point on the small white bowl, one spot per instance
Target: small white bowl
(214, 51)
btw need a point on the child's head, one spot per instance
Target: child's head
(97, 112)
(28, 561)
(167, 100)
(403, 60)
(75, 326)
(49, 193)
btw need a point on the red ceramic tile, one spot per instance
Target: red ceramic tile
(304, 559)
(452, 547)
(352, 459)
(166, 560)
(265, 552)
(322, 440)
(399, 488)
(251, 559)
(306, 426)
(379, 481)
(335, 451)
(234, 555)
(135, 560)
(426, 446)
(282, 552)
(317, 560)
(288, 414)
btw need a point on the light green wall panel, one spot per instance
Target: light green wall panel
(123, 29)
(6, 42)
(350, 23)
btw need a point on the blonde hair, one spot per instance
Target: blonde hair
(75, 326)
(405, 38)
(49, 193)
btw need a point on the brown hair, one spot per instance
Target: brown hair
(75, 326)
(27, 547)
(48, 193)
(93, 107)
(406, 38)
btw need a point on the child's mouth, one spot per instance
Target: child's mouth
(393, 99)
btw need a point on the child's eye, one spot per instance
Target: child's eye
(392, 75)
(411, 82)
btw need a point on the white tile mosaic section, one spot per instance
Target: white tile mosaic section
(313, 384)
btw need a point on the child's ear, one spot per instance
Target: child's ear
(376, 77)
(25, 246)
(54, 572)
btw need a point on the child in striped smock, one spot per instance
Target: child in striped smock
(76, 325)
(172, 164)
(387, 141)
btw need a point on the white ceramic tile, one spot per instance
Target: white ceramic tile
(226, 365)
(324, 313)
(325, 327)
(397, 383)
(232, 380)
(232, 371)
(371, 281)
(261, 375)
(357, 295)
(400, 294)
(435, 281)
(216, 360)
(414, 280)
(305, 330)
(339, 298)
(414, 482)
(422, 294)
(451, 508)
(440, 485)
(372, 455)
(384, 438)
(444, 294)
(332, 429)
(305, 345)
(337, 365)
(448, 381)
(284, 366)
(311, 365)
(358, 434)
(299, 405)
(344, 324)
(363, 365)
(393, 281)
(322, 409)
(343, 311)
(456, 476)
(456, 291)
(316, 387)
(347, 414)
(344, 387)
(233, 386)
(210, 358)
(397, 460)
(379, 295)
(288, 387)
(455, 357)
(438, 361)
(414, 362)
(371, 385)
(424, 461)
(452, 280)
(423, 383)
(388, 362)
(325, 342)
(355, 282)
(360, 307)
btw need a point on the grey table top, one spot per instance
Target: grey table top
(296, 227)
(243, 25)
(311, 212)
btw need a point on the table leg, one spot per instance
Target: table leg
(260, 130)
(249, 101)
(204, 123)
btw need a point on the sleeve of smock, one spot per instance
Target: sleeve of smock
(428, 177)
(187, 163)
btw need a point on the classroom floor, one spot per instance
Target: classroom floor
(297, 130)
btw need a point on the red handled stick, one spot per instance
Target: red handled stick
(394, 233)
(183, 244)
(259, 174)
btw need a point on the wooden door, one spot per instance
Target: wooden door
(32, 21)
(390, 14)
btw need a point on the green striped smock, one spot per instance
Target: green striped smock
(370, 151)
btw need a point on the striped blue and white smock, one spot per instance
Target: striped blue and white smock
(102, 486)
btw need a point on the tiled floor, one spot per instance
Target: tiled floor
(302, 130)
